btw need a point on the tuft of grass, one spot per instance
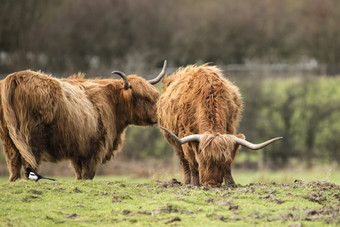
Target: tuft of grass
(130, 201)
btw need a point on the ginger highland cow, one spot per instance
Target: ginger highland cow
(204, 109)
(43, 118)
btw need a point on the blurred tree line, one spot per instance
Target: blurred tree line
(80, 35)
(96, 37)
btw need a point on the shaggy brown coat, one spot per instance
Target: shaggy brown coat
(198, 100)
(48, 119)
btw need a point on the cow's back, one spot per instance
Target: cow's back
(197, 100)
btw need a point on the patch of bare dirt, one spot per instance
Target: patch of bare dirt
(315, 197)
(209, 200)
(59, 189)
(173, 220)
(36, 192)
(144, 212)
(76, 190)
(126, 212)
(51, 219)
(74, 215)
(330, 214)
(28, 199)
(272, 199)
(165, 209)
(337, 196)
(119, 198)
(169, 184)
(220, 217)
(322, 185)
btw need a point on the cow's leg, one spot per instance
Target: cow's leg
(228, 177)
(229, 181)
(184, 164)
(89, 168)
(77, 166)
(88, 174)
(13, 159)
(194, 174)
(193, 165)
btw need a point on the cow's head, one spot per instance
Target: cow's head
(215, 154)
(140, 97)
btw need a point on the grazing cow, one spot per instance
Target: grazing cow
(197, 103)
(48, 119)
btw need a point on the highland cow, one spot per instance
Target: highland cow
(43, 118)
(197, 103)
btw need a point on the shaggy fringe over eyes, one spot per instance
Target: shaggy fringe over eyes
(215, 148)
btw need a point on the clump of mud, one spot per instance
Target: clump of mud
(169, 184)
(330, 214)
(323, 185)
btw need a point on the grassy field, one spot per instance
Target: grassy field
(261, 198)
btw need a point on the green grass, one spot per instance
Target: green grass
(131, 201)
(287, 176)
(329, 174)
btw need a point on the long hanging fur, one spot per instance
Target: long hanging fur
(217, 148)
(19, 137)
(199, 100)
(81, 120)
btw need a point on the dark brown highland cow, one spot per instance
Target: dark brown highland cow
(197, 103)
(48, 119)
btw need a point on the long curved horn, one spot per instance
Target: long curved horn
(127, 84)
(160, 76)
(254, 146)
(198, 137)
(191, 138)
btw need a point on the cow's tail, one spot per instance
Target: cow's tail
(18, 132)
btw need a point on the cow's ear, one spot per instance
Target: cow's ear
(241, 136)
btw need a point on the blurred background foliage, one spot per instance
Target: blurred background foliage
(67, 36)
(284, 56)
